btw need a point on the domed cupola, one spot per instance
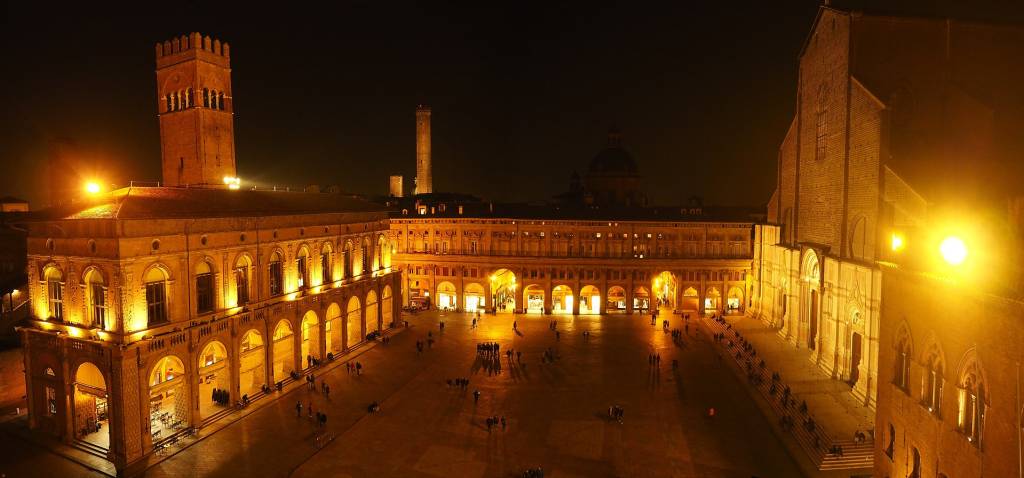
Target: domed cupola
(613, 160)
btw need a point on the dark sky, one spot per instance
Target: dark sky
(522, 95)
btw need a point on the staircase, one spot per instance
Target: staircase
(94, 450)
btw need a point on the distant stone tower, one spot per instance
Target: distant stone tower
(395, 187)
(424, 179)
(197, 139)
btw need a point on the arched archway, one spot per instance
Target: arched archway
(310, 339)
(474, 297)
(383, 259)
(811, 274)
(641, 299)
(386, 307)
(284, 350)
(734, 301)
(691, 300)
(533, 299)
(168, 398)
(503, 290)
(447, 298)
(616, 299)
(590, 300)
(712, 300)
(372, 319)
(354, 323)
(664, 286)
(561, 300)
(214, 379)
(90, 408)
(332, 329)
(252, 370)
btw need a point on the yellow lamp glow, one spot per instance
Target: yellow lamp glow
(897, 243)
(92, 187)
(953, 250)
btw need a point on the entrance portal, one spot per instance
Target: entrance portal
(252, 372)
(533, 297)
(447, 298)
(310, 339)
(214, 379)
(503, 290)
(616, 299)
(168, 399)
(561, 300)
(855, 354)
(474, 297)
(641, 300)
(664, 287)
(590, 300)
(284, 350)
(90, 413)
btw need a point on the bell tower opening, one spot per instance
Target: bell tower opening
(196, 110)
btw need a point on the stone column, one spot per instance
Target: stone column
(549, 294)
(629, 293)
(603, 299)
(576, 293)
(702, 293)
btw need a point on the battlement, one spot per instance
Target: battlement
(192, 42)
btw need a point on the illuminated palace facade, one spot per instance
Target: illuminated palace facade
(528, 263)
(157, 309)
(905, 128)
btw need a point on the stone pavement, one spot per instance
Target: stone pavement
(830, 400)
(556, 412)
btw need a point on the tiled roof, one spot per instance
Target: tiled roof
(174, 203)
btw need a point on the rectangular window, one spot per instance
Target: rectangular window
(56, 299)
(472, 247)
(276, 279)
(325, 268)
(51, 401)
(156, 302)
(99, 305)
(242, 286)
(204, 293)
(300, 268)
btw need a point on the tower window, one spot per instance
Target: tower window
(220, 101)
(167, 98)
(206, 97)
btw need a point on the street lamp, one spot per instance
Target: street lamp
(92, 187)
(953, 250)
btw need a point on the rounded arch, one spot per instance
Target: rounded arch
(503, 290)
(691, 299)
(712, 300)
(562, 299)
(590, 300)
(664, 285)
(168, 397)
(734, 300)
(372, 316)
(447, 297)
(332, 329)
(474, 296)
(90, 413)
(252, 371)
(93, 274)
(811, 267)
(156, 271)
(310, 340)
(387, 306)
(641, 298)
(214, 378)
(533, 298)
(354, 322)
(616, 299)
(284, 350)
(204, 265)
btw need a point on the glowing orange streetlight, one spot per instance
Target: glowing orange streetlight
(953, 250)
(92, 187)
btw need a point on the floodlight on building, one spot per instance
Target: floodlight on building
(953, 250)
(92, 187)
(233, 182)
(897, 243)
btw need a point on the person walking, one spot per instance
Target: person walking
(298, 409)
(476, 396)
(502, 423)
(359, 368)
(515, 325)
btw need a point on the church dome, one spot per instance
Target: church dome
(613, 159)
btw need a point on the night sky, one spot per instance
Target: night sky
(522, 95)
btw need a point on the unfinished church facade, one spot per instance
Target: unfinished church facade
(156, 310)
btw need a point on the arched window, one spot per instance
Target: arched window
(915, 464)
(55, 293)
(167, 98)
(326, 274)
(96, 299)
(220, 101)
(242, 281)
(972, 403)
(276, 275)
(364, 256)
(348, 259)
(821, 124)
(156, 296)
(901, 373)
(932, 381)
(204, 288)
(206, 97)
(302, 269)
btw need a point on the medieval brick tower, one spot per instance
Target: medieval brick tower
(197, 140)
(424, 181)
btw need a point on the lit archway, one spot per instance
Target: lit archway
(214, 379)
(590, 300)
(354, 322)
(474, 296)
(664, 286)
(533, 299)
(616, 299)
(332, 329)
(90, 411)
(386, 306)
(503, 290)
(310, 339)
(734, 301)
(691, 300)
(712, 300)
(284, 350)
(372, 320)
(641, 299)
(252, 371)
(811, 308)
(447, 298)
(562, 299)
(168, 398)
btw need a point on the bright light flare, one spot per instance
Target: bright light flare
(233, 182)
(897, 243)
(92, 187)
(953, 250)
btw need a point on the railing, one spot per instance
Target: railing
(643, 257)
(826, 452)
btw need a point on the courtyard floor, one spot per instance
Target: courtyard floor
(556, 412)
